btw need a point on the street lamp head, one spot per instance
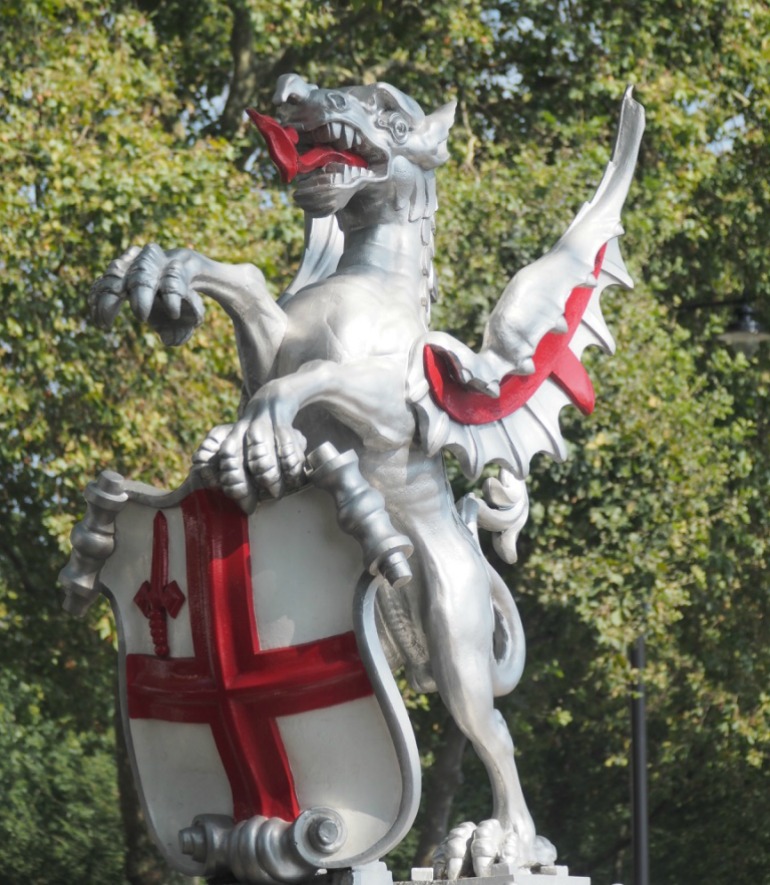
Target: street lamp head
(745, 333)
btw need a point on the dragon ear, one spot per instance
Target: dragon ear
(428, 140)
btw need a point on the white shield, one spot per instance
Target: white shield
(242, 685)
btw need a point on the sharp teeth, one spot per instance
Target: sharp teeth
(346, 174)
(346, 137)
(335, 131)
(357, 140)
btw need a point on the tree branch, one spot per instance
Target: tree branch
(243, 82)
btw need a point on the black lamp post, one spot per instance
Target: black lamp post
(639, 806)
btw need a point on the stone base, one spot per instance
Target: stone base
(375, 873)
(507, 874)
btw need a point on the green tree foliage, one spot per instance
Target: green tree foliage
(121, 122)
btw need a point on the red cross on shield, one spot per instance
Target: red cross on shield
(259, 703)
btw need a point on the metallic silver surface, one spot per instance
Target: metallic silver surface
(387, 693)
(324, 243)
(261, 851)
(93, 540)
(339, 359)
(164, 289)
(361, 513)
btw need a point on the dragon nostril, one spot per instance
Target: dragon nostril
(337, 100)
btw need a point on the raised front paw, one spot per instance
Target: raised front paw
(158, 288)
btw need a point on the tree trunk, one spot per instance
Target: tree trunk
(243, 83)
(442, 783)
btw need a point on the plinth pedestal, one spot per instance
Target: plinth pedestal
(507, 874)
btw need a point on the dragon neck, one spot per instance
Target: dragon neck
(394, 248)
(401, 245)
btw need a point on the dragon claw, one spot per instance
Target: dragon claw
(108, 306)
(491, 844)
(141, 299)
(545, 851)
(235, 484)
(219, 460)
(470, 850)
(262, 464)
(452, 856)
(291, 446)
(172, 303)
(206, 456)
(158, 288)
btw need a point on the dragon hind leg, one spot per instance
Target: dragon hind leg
(459, 623)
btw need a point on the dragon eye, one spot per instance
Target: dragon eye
(395, 123)
(399, 129)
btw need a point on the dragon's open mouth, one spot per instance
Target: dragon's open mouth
(330, 144)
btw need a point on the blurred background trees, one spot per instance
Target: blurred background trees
(121, 122)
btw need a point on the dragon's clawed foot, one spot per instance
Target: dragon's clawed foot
(470, 850)
(275, 456)
(452, 858)
(220, 462)
(158, 287)
(261, 451)
(206, 458)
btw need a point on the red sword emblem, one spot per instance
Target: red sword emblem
(157, 597)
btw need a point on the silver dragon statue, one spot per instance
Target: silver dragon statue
(346, 356)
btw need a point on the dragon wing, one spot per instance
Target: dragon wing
(502, 405)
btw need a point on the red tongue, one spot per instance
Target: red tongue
(282, 147)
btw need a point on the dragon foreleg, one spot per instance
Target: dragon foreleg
(264, 448)
(164, 289)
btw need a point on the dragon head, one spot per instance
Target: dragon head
(358, 149)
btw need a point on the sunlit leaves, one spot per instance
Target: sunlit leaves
(659, 520)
